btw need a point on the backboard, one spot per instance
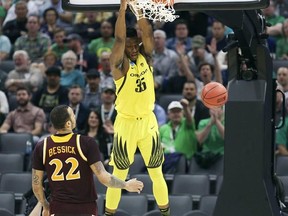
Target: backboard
(180, 5)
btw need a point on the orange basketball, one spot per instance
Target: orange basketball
(214, 94)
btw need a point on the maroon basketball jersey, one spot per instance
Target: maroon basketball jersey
(67, 159)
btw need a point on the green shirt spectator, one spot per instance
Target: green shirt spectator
(282, 138)
(185, 140)
(210, 132)
(178, 135)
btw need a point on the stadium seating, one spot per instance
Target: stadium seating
(195, 185)
(7, 201)
(136, 205)
(207, 204)
(19, 183)
(14, 142)
(11, 163)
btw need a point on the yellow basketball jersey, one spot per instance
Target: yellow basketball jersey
(135, 91)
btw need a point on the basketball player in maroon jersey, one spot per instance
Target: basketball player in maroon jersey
(70, 160)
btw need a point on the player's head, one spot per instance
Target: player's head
(132, 44)
(62, 118)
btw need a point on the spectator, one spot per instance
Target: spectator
(276, 29)
(175, 84)
(11, 13)
(23, 74)
(75, 97)
(198, 55)
(164, 60)
(282, 79)
(49, 24)
(94, 128)
(271, 16)
(107, 108)
(282, 43)
(5, 46)
(282, 138)
(52, 94)
(34, 43)
(26, 118)
(197, 109)
(88, 28)
(178, 135)
(181, 37)
(85, 60)
(70, 75)
(105, 42)
(218, 33)
(210, 136)
(105, 70)
(92, 93)
(59, 47)
(17, 27)
(50, 59)
(65, 20)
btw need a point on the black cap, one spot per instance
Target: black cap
(92, 73)
(53, 71)
(73, 36)
(109, 88)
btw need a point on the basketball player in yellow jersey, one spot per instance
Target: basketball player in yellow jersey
(135, 124)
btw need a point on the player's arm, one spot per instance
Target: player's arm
(119, 63)
(147, 38)
(37, 187)
(109, 180)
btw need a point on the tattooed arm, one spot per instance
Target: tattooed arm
(37, 179)
(109, 180)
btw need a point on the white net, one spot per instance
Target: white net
(153, 10)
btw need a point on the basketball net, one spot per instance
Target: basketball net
(155, 10)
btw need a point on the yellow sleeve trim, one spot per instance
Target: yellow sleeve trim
(44, 150)
(79, 148)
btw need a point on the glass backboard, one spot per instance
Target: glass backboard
(184, 5)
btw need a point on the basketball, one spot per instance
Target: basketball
(214, 94)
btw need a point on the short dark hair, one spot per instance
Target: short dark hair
(131, 32)
(204, 64)
(59, 116)
(50, 9)
(23, 88)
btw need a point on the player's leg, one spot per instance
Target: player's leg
(124, 147)
(153, 156)
(113, 195)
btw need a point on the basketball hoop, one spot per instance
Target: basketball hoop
(155, 10)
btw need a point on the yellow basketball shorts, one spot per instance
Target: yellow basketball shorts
(130, 133)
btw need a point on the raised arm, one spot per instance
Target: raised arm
(109, 180)
(119, 63)
(213, 50)
(147, 38)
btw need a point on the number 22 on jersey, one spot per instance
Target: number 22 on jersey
(58, 174)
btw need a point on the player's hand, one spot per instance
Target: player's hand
(133, 185)
(46, 211)
(123, 4)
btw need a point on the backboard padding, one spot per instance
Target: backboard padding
(180, 5)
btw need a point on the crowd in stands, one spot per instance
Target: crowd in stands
(62, 57)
